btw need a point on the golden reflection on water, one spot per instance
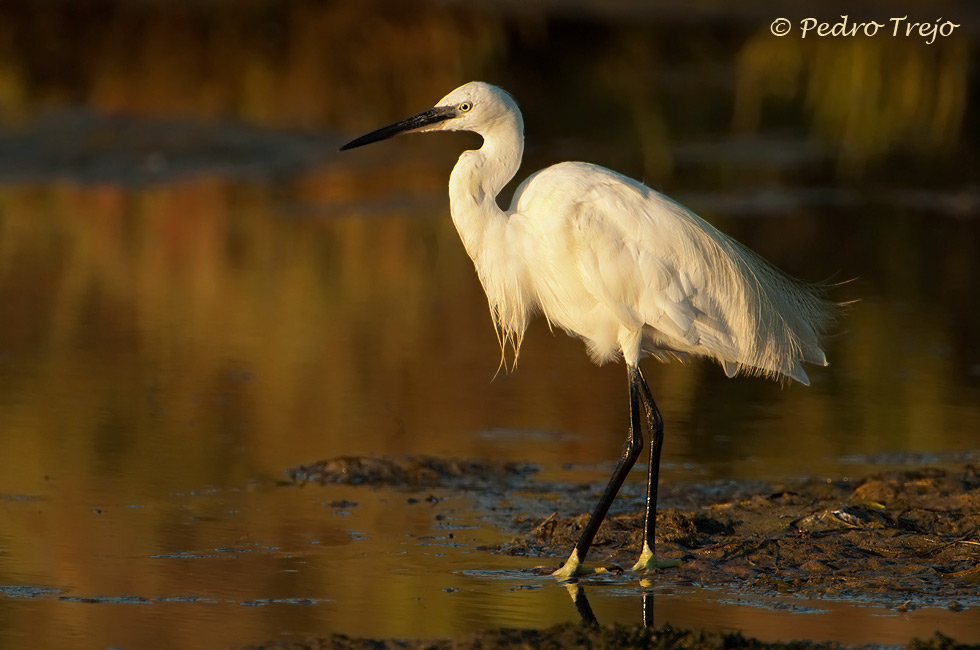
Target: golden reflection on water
(172, 347)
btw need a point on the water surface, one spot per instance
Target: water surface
(199, 292)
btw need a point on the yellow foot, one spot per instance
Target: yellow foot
(648, 561)
(573, 568)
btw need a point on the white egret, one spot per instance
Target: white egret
(619, 265)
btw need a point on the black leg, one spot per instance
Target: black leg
(655, 424)
(631, 451)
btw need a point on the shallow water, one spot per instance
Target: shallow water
(199, 293)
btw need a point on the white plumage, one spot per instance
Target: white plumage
(615, 263)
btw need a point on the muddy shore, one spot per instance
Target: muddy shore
(569, 635)
(901, 539)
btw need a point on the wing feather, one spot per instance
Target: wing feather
(660, 268)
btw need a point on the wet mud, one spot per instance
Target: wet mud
(412, 472)
(900, 539)
(594, 637)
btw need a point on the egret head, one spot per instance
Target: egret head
(475, 106)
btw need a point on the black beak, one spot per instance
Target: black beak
(431, 116)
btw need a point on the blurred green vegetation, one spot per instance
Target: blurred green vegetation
(866, 97)
(261, 61)
(311, 63)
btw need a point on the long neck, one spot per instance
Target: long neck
(486, 230)
(477, 179)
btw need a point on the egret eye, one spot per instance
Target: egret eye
(464, 107)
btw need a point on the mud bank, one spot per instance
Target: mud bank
(571, 635)
(902, 539)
